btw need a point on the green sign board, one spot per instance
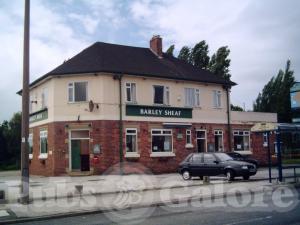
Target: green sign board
(38, 116)
(158, 111)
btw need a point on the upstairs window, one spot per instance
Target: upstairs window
(131, 92)
(192, 97)
(161, 95)
(44, 98)
(77, 91)
(217, 99)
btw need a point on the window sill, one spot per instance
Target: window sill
(218, 108)
(131, 103)
(162, 154)
(245, 152)
(43, 156)
(81, 102)
(30, 156)
(132, 155)
(189, 146)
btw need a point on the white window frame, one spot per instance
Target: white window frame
(205, 138)
(43, 134)
(44, 98)
(132, 91)
(219, 132)
(265, 140)
(136, 153)
(195, 101)
(217, 99)
(71, 85)
(188, 139)
(166, 94)
(30, 144)
(242, 133)
(163, 132)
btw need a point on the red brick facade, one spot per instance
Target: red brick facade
(106, 134)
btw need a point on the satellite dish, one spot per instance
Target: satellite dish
(91, 106)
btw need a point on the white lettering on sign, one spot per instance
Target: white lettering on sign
(154, 112)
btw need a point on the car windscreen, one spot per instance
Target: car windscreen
(223, 157)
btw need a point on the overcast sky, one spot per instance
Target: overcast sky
(261, 35)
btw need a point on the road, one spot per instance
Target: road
(257, 208)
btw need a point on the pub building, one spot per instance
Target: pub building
(113, 103)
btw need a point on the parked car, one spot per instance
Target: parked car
(214, 164)
(240, 157)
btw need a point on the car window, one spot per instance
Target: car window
(197, 158)
(209, 158)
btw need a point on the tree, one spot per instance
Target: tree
(170, 50)
(236, 108)
(275, 96)
(184, 54)
(219, 63)
(199, 55)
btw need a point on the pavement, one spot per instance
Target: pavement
(66, 196)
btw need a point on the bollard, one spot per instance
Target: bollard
(206, 180)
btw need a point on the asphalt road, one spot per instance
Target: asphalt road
(279, 207)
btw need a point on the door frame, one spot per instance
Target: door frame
(202, 139)
(70, 143)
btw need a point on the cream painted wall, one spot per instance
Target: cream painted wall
(104, 90)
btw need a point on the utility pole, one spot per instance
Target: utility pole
(24, 198)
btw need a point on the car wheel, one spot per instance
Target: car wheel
(186, 175)
(230, 175)
(246, 177)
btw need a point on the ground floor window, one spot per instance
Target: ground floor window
(30, 143)
(131, 140)
(188, 137)
(162, 140)
(43, 144)
(219, 141)
(241, 140)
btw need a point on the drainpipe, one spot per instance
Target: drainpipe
(119, 77)
(227, 88)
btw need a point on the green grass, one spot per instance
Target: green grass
(291, 161)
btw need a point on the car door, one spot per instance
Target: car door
(210, 165)
(196, 164)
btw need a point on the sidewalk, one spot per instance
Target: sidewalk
(58, 196)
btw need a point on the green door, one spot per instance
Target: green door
(75, 148)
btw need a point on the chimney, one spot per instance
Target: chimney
(156, 45)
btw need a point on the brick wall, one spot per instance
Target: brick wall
(106, 134)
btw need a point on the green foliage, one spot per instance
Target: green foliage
(10, 141)
(184, 54)
(219, 63)
(199, 55)
(236, 108)
(275, 96)
(170, 50)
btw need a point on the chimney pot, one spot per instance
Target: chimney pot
(156, 45)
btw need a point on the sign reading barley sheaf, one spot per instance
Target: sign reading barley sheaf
(158, 111)
(38, 116)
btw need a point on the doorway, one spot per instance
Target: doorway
(201, 140)
(79, 150)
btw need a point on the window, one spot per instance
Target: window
(162, 140)
(77, 91)
(161, 95)
(43, 144)
(201, 140)
(217, 99)
(197, 158)
(192, 97)
(209, 158)
(80, 134)
(241, 140)
(44, 98)
(219, 140)
(188, 137)
(131, 140)
(131, 92)
(30, 143)
(265, 139)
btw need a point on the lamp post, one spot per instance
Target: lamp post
(24, 198)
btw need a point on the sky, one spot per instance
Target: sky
(261, 35)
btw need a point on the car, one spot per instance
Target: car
(240, 157)
(214, 164)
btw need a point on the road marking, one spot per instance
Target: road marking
(250, 220)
